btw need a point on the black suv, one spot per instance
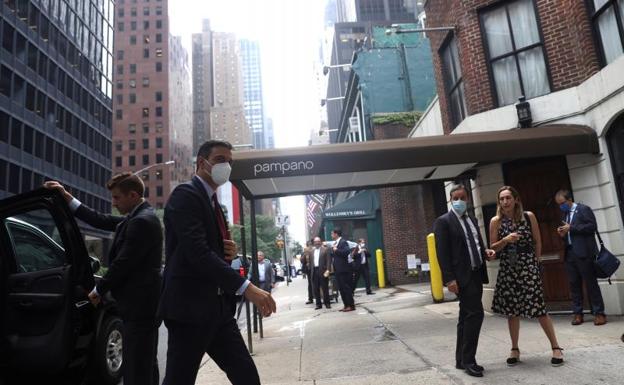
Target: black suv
(48, 328)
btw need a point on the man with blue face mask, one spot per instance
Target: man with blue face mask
(462, 255)
(578, 229)
(199, 286)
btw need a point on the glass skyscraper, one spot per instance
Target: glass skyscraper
(55, 96)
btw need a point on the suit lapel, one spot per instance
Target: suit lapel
(207, 204)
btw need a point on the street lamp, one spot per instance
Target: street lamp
(327, 68)
(154, 165)
(397, 29)
(324, 101)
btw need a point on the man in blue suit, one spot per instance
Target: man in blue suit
(199, 286)
(578, 231)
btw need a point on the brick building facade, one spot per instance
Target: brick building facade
(566, 58)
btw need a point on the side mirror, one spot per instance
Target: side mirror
(95, 264)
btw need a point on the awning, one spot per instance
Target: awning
(352, 166)
(363, 205)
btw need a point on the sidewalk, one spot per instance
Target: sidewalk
(398, 336)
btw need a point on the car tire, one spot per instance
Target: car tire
(108, 358)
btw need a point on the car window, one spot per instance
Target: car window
(32, 236)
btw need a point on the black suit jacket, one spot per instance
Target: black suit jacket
(133, 275)
(340, 257)
(452, 250)
(357, 258)
(324, 261)
(582, 232)
(195, 266)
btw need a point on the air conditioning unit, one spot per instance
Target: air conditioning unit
(354, 125)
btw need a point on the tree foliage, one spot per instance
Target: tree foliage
(266, 234)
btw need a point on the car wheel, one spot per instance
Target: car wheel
(109, 352)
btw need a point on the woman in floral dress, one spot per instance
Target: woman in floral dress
(515, 236)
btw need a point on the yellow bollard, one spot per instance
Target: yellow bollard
(437, 291)
(380, 268)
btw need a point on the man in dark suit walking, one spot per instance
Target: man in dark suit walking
(578, 231)
(199, 286)
(133, 275)
(462, 256)
(343, 269)
(320, 264)
(361, 265)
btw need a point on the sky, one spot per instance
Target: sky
(289, 32)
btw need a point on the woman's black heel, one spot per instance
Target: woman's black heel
(512, 361)
(554, 361)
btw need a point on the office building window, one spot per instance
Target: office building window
(133, 25)
(145, 160)
(453, 81)
(159, 38)
(159, 24)
(120, 54)
(159, 142)
(145, 144)
(145, 112)
(132, 83)
(132, 98)
(159, 52)
(145, 128)
(146, 81)
(131, 160)
(608, 19)
(515, 51)
(118, 145)
(119, 114)
(120, 69)
(158, 96)
(146, 11)
(132, 144)
(159, 191)
(158, 10)
(120, 26)
(146, 53)
(159, 111)
(133, 39)
(132, 128)
(132, 68)
(159, 158)
(118, 161)
(133, 11)
(158, 66)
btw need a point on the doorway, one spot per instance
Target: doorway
(537, 180)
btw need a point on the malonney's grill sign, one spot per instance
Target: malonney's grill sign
(345, 213)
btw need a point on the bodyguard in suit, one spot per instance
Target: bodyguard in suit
(266, 277)
(578, 231)
(361, 265)
(199, 285)
(462, 256)
(343, 269)
(320, 265)
(133, 275)
(305, 268)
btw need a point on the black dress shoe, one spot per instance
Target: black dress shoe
(370, 293)
(318, 307)
(328, 306)
(472, 370)
(478, 367)
(309, 302)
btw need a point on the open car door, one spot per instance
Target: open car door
(46, 316)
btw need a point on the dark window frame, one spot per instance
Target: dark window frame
(595, 16)
(489, 59)
(450, 89)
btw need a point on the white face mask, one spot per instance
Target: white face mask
(362, 245)
(220, 173)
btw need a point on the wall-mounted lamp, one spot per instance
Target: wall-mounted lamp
(523, 109)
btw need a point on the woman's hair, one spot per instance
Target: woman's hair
(518, 212)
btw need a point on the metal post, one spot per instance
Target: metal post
(406, 78)
(254, 256)
(241, 205)
(288, 280)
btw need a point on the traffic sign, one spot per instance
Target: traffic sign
(282, 220)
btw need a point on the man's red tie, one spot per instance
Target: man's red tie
(225, 232)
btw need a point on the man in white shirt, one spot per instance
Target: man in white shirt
(266, 278)
(361, 265)
(320, 263)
